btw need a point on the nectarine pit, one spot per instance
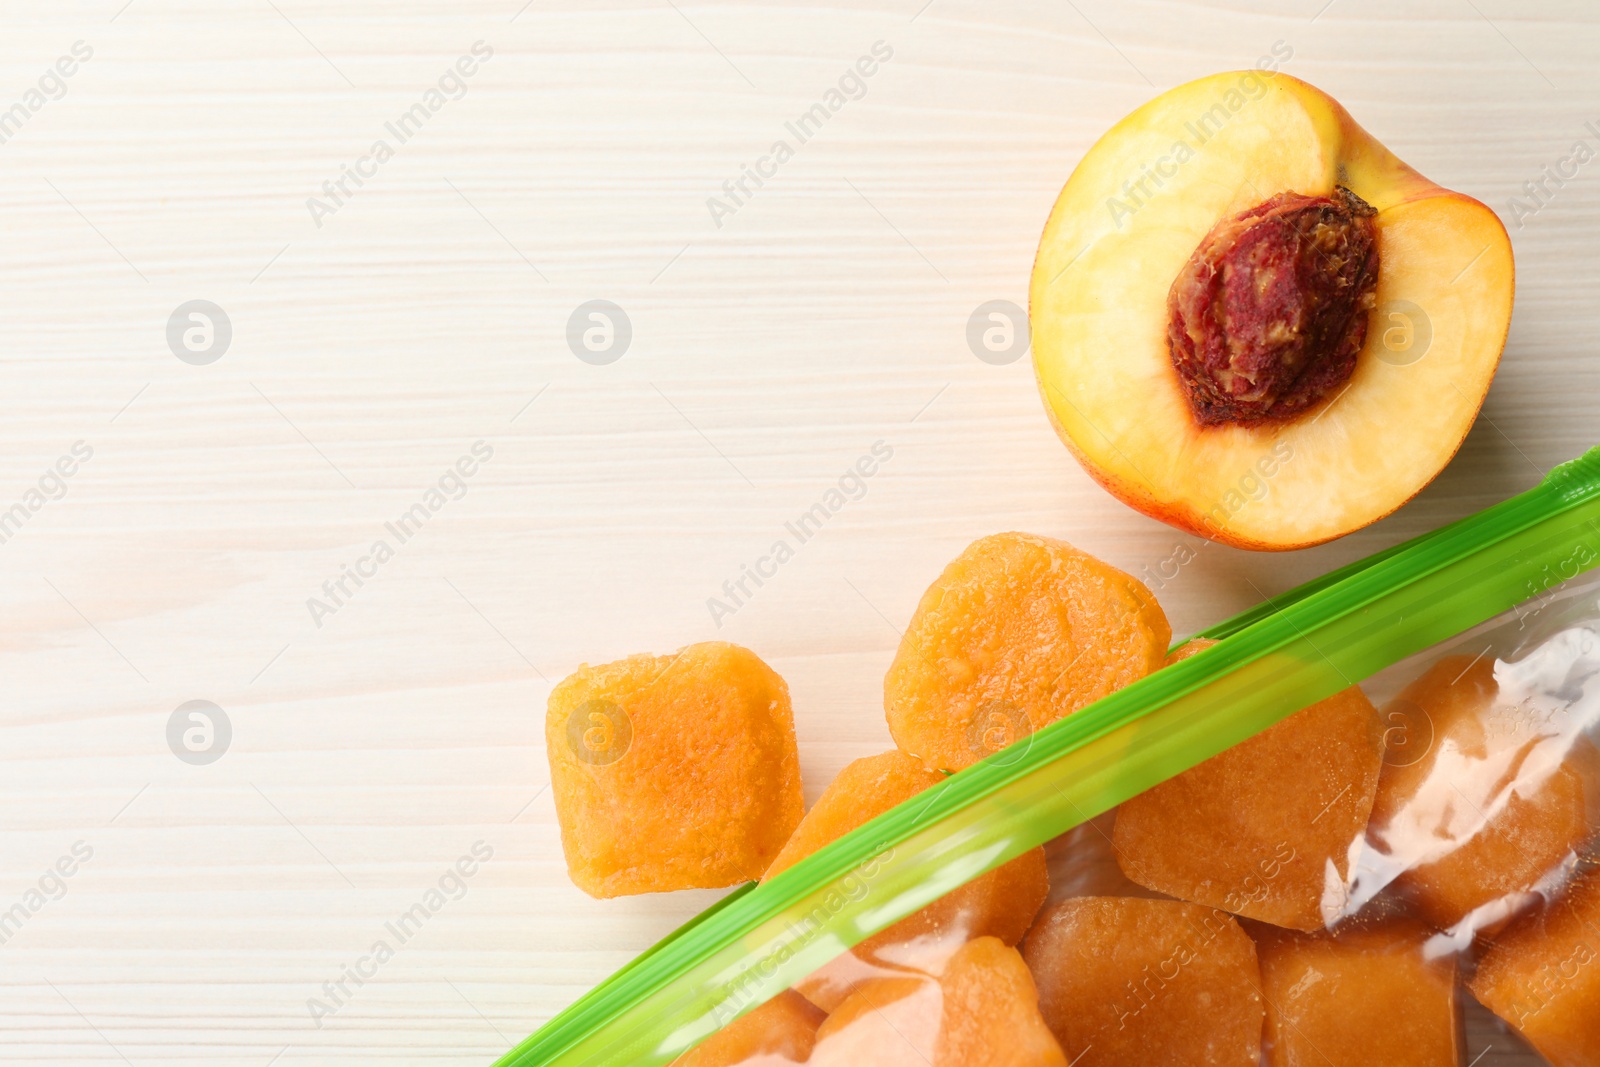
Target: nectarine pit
(1268, 315)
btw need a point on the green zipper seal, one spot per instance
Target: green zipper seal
(1289, 652)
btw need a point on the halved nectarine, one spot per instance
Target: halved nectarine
(1253, 322)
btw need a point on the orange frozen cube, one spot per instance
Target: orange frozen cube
(1542, 975)
(781, 1031)
(1264, 829)
(1130, 982)
(1358, 999)
(1000, 904)
(982, 1010)
(1018, 631)
(673, 772)
(1496, 801)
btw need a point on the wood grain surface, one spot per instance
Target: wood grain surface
(377, 740)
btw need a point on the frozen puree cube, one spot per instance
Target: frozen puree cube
(781, 1031)
(1358, 999)
(1499, 799)
(1542, 975)
(1131, 982)
(1001, 903)
(1018, 631)
(981, 1010)
(673, 772)
(1266, 828)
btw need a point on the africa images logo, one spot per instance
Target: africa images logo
(850, 487)
(852, 85)
(451, 85)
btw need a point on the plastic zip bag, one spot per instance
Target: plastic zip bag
(1417, 849)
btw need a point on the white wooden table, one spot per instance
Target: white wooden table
(376, 336)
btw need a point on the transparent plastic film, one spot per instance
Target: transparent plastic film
(1348, 886)
(1355, 825)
